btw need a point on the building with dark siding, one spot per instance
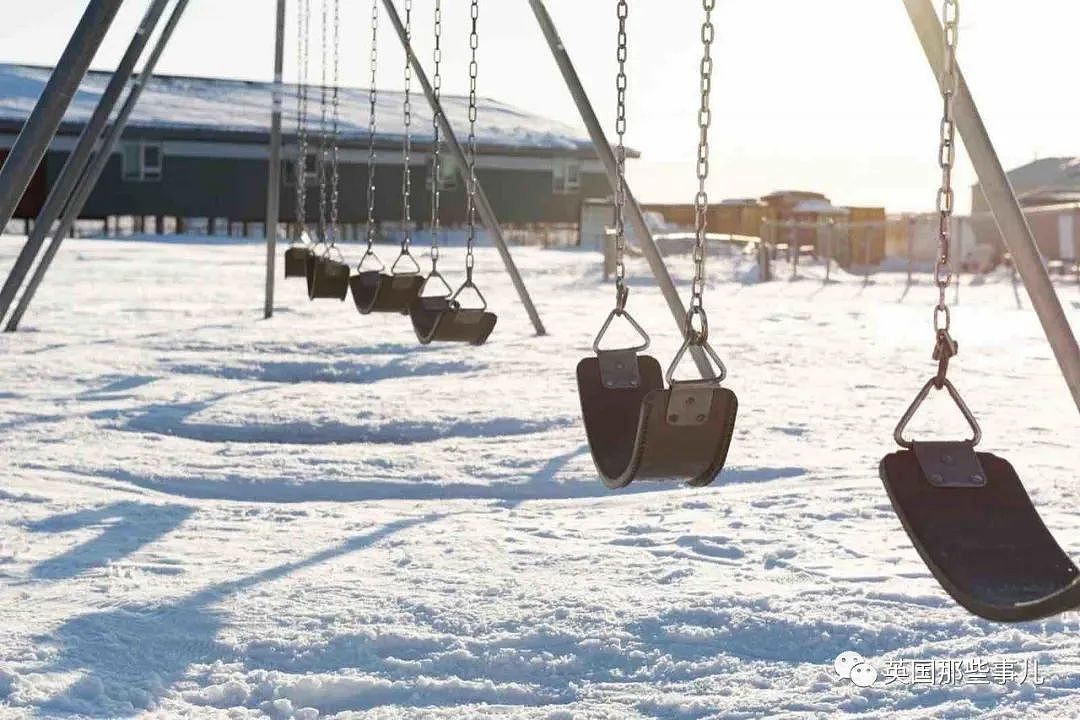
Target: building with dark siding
(198, 148)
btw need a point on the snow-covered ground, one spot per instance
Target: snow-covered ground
(207, 514)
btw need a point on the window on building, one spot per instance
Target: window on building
(311, 175)
(566, 177)
(448, 174)
(142, 161)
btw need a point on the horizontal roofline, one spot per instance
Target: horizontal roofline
(582, 148)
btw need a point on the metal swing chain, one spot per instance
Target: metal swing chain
(701, 199)
(436, 86)
(406, 147)
(944, 346)
(303, 8)
(372, 99)
(335, 104)
(474, 43)
(699, 337)
(321, 164)
(621, 291)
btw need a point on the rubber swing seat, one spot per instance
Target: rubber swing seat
(985, 543)
(437, 319)
(296, 258)
(647, 432)
(377, 291)
(326, 278)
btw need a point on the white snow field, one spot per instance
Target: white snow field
(205, 514)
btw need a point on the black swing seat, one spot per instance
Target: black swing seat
(326, 277)
(637, 429)
(296, 258)
(437, 319)
(376, 291)
(973, 523)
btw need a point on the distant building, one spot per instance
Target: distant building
(1047, 181)
(1049, 191)
(198, 147)
(795, 219)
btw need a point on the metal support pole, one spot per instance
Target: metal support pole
(273, 182)
(41, 126)
(829, 224)
(79, 158)
(97, 165)
(483, 206)
(1075, 245)
(1002, 201)
(910, 249)
(793, 249)
(607, 157)
(867, 259)
(764, 254)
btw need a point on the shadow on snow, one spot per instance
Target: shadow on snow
(132, 655)
(127, 526)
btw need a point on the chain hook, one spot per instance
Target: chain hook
(700, 335)
(621, 295)
(944, 350)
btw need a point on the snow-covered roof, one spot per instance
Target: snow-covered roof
(211, 105)
(1060, 172)
(821, 207)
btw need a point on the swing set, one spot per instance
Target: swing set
(400, 288)
(966, 512)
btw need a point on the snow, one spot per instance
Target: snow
(201, 104)
(209, 515)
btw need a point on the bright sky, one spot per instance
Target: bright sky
(830, 95)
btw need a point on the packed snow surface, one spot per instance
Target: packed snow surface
(207, 514)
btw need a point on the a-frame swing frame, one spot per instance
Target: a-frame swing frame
(81, 177)
(40, 129)
(994, 182)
